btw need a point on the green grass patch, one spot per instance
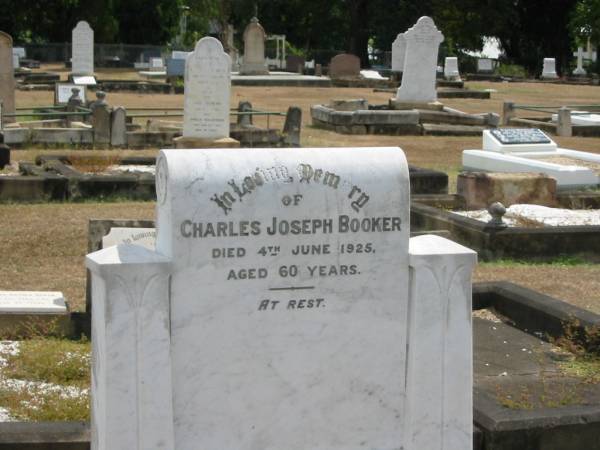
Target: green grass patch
(560, 261)
(57, 372)
(56, 361)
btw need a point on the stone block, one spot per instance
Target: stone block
(481, 189)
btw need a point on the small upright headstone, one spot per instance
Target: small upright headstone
(398, 53)
(294, 63)
(254, 62)
(118, 128)
(344, 65)
(419, 76)
(579, 71)
(16, 61)
(451, 71)
(83, 49)
(156, 64)
(207, 87)
(7, 77)
(485, 65)
(549, 69)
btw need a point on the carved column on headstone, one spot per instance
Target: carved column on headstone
(420, 65)
(131, 377)
(439, 408)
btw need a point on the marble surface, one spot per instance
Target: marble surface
(82, 59)
(276, 311)
(451, 71)
(419, 76)
(293, 341)
(63, 92)
(398, 53)
(207, 90)
(32, 302)
(144, 237)
(549, 68)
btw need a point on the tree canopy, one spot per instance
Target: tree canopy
(528, 30)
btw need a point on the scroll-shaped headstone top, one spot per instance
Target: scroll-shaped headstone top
(207, 90)
(292, 267)
(398, 53)
(82, 49)
(424, 32)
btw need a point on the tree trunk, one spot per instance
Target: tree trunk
(358, 39)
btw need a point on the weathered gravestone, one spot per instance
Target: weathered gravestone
(419, 76)
(83, 49)
(485, 65)
(344, 65)
(207, 87)
(398, 53)
(549, 69)
(451, 71)
(7, 78)
(295, 63)
(276, 311)
(254, 62)
(118, 127)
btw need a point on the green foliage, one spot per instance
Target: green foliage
(511, 70)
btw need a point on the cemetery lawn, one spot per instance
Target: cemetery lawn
(45, 379)
(43, 246)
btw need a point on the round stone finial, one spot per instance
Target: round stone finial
(100, 95)
(497, 211)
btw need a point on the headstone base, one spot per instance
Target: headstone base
(254, 69)
(190, 142)
(400, 105)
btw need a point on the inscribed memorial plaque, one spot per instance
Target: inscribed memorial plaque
(289, 296)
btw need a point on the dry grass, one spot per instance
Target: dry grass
(43, 246)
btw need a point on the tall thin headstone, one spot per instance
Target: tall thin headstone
(207, 87)
(398, 53)
(276, 311)
(254, 62)
(7, 77)
(419, 76)
(82, 59)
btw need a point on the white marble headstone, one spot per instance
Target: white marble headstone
(549, 69)
(289, 279)
(16, 62)
(398, 53)
(145, 237)
(20, 51)
(32, 302)
(485, 65)
(451, 71)
(419, 76)
(207, 91)
(83, 49)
